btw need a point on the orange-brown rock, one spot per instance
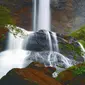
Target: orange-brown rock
(28, 76)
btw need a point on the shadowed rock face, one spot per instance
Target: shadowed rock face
(3, 38)
(30, 76)
(39, 41)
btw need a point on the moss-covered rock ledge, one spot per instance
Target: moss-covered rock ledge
(74, 75)
(69, 47)
(79, 35)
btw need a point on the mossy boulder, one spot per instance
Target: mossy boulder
(69, 47)
(74, 75)
(79, 35)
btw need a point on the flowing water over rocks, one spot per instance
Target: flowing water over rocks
(35, 47)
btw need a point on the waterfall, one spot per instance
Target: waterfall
(55, 42)
(17, 57)
(14, 42)
(44, 21)
(14, 56)
(83, 50)
(41, 15)
(35, 15)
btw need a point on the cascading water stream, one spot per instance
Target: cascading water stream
(44, 18)
(14, 55)
(16, 42)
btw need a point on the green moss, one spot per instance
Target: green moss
(5, 16)
(70, 49)
(79, 34)
(77, 70)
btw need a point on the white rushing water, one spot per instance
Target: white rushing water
(14, 56)
(44, 18)
(16, 42)
(35, 15)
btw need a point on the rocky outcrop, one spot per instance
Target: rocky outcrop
(74, 75)
(68, 46)
(34, 74)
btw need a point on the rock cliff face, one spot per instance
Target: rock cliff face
(63, 13)
(21, 12)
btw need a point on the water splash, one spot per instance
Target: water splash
(14, 55)
(10, 59)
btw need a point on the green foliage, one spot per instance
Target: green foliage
(5, 17)
(79, 34)
(77, 70)
(15, 30)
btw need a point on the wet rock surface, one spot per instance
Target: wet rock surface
(49, 41)
(41, 41)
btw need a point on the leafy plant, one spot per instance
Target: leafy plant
(6, 20)
(15, 30)
(77, 70)
(79, 34)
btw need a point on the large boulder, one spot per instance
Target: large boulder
(74, 75)
(34, 74)
(42, 40)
